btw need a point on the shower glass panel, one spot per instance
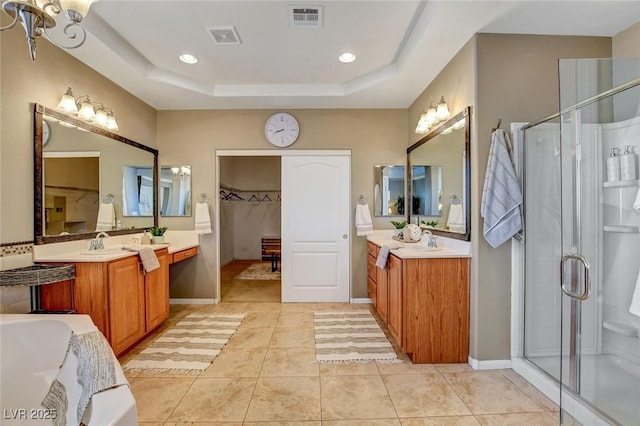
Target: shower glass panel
(600, 348)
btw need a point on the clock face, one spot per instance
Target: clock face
(281, 129)
(46, 133)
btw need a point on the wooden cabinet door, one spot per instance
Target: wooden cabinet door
(394, 321)
(126, 303)
(156, 285)
(382, 280)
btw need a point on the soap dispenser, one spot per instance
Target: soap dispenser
(613, 166)
(628, 164)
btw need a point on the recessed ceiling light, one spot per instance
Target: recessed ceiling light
(188, 59)
(347, 57)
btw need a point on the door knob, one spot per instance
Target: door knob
(345, 236)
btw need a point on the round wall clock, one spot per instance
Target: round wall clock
(281, 129)
(46, 133)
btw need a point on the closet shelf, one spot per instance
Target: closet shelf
(622, 229)
(622, 184)
(621, 328)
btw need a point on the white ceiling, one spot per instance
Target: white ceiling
(401, 46)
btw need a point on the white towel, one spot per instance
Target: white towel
(106, 217)
(635, 299)
(147, 255)
(203, 219)
(501, 195)
(364, 224)
(383, 254)
(455, 220)
(636, 203)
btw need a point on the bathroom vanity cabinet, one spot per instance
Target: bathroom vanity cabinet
(124, 302)
(425, 304)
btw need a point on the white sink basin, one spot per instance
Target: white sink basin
(103, 252)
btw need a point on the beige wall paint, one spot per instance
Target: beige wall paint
(626, 44)
(44, 81)
(373, 136)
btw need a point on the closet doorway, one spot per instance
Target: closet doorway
(250, 219)
(315, 222)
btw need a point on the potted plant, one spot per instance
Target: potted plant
(399, 225)
(158, 233)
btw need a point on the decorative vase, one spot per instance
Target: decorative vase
(397, 233)
(158, 239)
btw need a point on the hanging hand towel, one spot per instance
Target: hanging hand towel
(636, 203)
(203, 220)
(383, 255)
(364, 224)
(501, 195)
(106, 217)
(455, 220)
(147, 257)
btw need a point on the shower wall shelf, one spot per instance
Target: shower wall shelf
(621, 328)
(622, 229)
(622, 183)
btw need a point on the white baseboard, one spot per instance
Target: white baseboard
(360, 300)
(184, 301)
(492, 364)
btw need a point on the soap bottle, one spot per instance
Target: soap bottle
(146, 238)
(628, 164)
(613, 166)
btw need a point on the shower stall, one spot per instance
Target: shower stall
(573, 335)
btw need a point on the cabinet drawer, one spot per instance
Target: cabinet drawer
(372, 249)
(371, 268)
(184, 254)
(372, 290)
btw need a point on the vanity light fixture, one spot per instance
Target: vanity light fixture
(83, 108)
(188, 59)
(36, 16)
(347, 57)
(86, 111)
(112, 124)
(434, 114)
(68, 102)
(101, 116)
(443, 110)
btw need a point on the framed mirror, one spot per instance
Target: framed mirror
(79, 170)
(388, 191)
(175, 191)
(445, 153)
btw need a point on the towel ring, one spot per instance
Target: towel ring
(362, 201)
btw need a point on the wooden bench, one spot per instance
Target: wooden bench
(271, 251)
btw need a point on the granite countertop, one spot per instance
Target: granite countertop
(449, 247)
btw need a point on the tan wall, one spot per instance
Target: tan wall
(373, 136)
(44, 81)
(626, 44)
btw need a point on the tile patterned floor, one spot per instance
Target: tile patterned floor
(266, 376)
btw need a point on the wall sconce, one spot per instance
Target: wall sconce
(434, 114)
(82, 107)
(181, 171)
(36, 16)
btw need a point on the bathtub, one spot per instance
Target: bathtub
(32, 348)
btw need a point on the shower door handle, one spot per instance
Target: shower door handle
(586, 282)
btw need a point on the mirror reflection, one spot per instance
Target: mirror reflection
(444, 208)
(79, 168)
(175, 190)
(426, 197)
(388, 191)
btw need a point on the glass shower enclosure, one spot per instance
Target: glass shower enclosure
(580, 304)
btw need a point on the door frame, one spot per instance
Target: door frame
(267, 153)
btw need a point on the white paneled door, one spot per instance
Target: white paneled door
(316, 228)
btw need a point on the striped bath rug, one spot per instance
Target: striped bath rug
(350, 336)
(191, 345)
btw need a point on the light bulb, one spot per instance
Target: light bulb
(68, 102)
(86, 111)
(101, 117)
(112, 124)
(443, 110)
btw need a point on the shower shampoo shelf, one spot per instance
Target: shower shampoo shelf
(621, 328)
(622, 229)
(622, 184)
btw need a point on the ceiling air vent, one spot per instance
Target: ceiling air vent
(224, 35)
(305, 16)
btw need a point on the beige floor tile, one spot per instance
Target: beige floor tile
(299, 307)
(248, 337)
(260, 319)
(293, 337)
(530, 390)
(335, 306)
(287, 362)
(285, 399)
(215, 399)
(262, 307)
(454, 368)
(295, 319)
(366, 306)
(252, 291)
(423, 396)
(310, 423)
(489, 392)
(441, 421)
(405, 368)
(237, 362)
(202, 424)
(227, 308)
(368, 422)
(538, 419)
(156, 398)
(169, 373)
(355, 397)
(350, 369)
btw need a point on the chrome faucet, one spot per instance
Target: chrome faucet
(98, 243)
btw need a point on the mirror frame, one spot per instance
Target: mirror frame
(38, 179)
(466, 113)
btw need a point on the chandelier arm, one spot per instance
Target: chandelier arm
(55, 9)
(71, 31)
(11, 25)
